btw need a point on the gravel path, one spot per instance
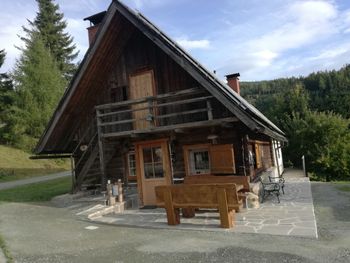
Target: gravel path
(43, 233)
(33, 180)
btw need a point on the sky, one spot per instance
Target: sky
(260, 39)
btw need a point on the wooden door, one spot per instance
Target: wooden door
(141, 86)
(153, 168)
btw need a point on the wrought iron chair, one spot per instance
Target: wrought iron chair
(279, 180)
(268, 188)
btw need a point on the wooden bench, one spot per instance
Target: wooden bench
(219, 179)
(215, 179)
(190, 196)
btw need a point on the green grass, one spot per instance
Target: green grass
(37, 192)
(15, 164)
(5, 250)
(344, 188)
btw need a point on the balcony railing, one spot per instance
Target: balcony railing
(183, 109)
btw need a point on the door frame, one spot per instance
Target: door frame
(139, 165)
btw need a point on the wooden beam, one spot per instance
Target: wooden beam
(101, 154)
(188, 125)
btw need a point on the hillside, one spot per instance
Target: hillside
(327, 91)
(15, 164)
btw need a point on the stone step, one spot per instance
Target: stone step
(101, 210)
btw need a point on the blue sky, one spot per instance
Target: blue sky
(261, 39)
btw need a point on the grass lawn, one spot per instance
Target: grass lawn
(15, 164)
(345, 188)
(37, 192)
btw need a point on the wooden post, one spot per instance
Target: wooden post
(304, 166)
(173, 215)
(100, 148)
(72, 163)
(110, 197)
(225, 216)
(151, 112)
(210, 110)
(120, 191)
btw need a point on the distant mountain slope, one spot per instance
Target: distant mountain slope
(328, 90)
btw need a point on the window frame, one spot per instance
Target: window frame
(129, 175)
(189, 161)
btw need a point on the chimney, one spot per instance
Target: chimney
(233, 82)
(95, 22)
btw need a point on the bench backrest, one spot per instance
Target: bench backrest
(213, 179)
(200, 196)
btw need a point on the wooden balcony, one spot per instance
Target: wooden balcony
(184, 109)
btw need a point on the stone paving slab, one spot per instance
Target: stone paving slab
(294, 216)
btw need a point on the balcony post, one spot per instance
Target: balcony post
(101, 152)
(151, 114)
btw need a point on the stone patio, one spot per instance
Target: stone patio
(294, 216)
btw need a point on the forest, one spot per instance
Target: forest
(314, 113)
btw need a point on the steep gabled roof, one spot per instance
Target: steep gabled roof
(247, 113)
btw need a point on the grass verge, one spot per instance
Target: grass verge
(5, 250)
(344, 188)
(16, 164)
(38, 192)
(7, 175)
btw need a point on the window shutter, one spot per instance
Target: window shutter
(222, 159)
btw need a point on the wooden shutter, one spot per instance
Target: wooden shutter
(222, 160)
(141, 86)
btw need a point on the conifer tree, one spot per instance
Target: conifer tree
(49, 23)
(6, 90)
(38, 86)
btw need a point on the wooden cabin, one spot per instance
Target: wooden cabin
(142, 110)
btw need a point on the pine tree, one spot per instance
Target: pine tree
(6, 90)
(51, 26)
(38, 86)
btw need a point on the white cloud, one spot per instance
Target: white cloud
(10, 30)
(77, 29)
(193, 44)
(301, 23)
(331, 53)
(298, 26)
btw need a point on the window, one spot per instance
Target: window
(209, 159)
(153, 162)
(199, 161)
(131, 164)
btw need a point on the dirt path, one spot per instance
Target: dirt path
(42, 233)
(33, 180)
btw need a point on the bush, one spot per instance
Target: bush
(324, 139)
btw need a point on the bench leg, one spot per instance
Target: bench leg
(278, 196)
(225, 215)
(188, 212)
(173, 214)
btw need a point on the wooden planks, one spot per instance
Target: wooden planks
(212, 179)
(142, 86)
(222, 159)
(221, 196)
